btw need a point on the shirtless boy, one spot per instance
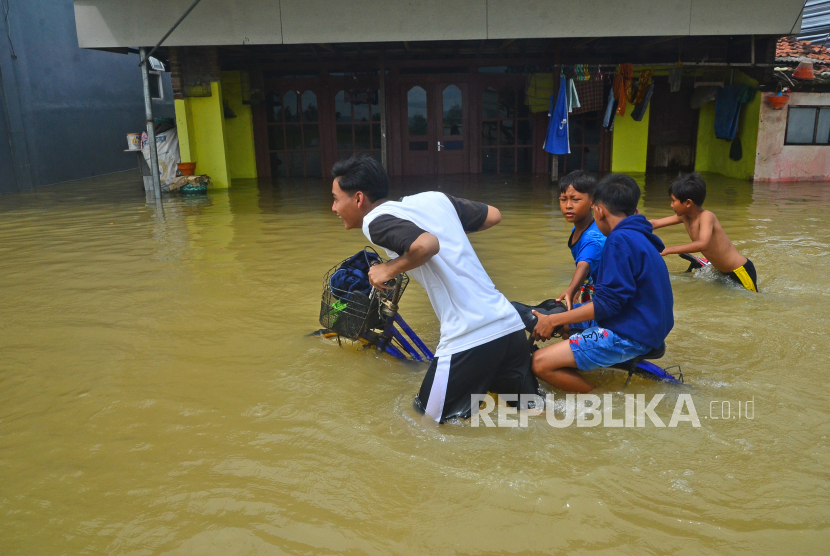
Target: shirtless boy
(707, 235)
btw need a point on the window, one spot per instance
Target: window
(808, 125)
(416, 113)
(358, 127)
(506, 132)
(293, 134)
(453, 110)
(156, 85)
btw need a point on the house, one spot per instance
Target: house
(284, 88)
(64, 111)
(794, 141)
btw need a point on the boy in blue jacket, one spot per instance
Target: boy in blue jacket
(632, 309)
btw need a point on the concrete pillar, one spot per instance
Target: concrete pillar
(200, 119)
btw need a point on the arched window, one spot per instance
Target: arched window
(453, 110)
(416, 107)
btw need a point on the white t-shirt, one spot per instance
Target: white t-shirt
(471, 310)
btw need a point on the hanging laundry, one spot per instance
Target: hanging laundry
(573, 97)
(643, 81)
(728, 109)
(557, 141)
(590, 96)
(702, 96)
(736, 150)
(538, 92)
(622, 82)
(640, 110)
(610, 110)
(675, 77)
(581, 72)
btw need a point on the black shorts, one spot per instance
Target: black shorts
(501, 366)
(746, 276)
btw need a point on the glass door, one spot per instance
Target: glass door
(452, 145)
(418, 136)
(293, 133)
(506, 131)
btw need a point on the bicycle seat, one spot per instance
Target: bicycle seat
(547, 307)
(656, 353)
(631, 364)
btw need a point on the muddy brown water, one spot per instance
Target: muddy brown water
(159, 393)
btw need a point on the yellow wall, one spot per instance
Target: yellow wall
(712, 154)
(630, 142)
(239, 131)
(204, 140)
(184, 127)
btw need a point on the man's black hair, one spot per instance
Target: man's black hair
(582, 181)
(691, 186)
(618, 193)
(362, 173)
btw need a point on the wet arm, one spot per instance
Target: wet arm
(583, 269)
(707, 226)
(493, 218)
(547, 323)
(419, 253)
(663, 222)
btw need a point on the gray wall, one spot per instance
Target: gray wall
(110, 23)
(7, 175)
(76, 106)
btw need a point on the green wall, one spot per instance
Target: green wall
(208, 147)
(239, 131)
(630, 142)
(222, 148)
(712, 154)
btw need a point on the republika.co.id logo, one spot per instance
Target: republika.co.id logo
(587, 410)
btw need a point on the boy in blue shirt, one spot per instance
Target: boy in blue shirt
(576, 196)
(632, 310)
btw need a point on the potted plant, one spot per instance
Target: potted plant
(778, 101)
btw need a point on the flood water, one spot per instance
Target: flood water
(159, 393)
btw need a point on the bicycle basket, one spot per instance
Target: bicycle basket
(350, 306)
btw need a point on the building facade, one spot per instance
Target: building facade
(64, 111)
(283, 88)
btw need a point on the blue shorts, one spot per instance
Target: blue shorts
(597, 347)
(580, 326)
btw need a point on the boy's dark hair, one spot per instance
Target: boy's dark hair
(618, 193)
(691, 186)
(580, 180)
(362, 173)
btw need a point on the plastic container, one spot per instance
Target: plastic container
(134, 141)
(194, 189)
(778, 101)
(187, 168)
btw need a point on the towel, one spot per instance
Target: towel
(728, 109)
(538, 92)
(590, 96)
(640, 110)
(675, 77)
(622, 83)
(557, 141)
(702, 96)
(573, 97)
(610, 109)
